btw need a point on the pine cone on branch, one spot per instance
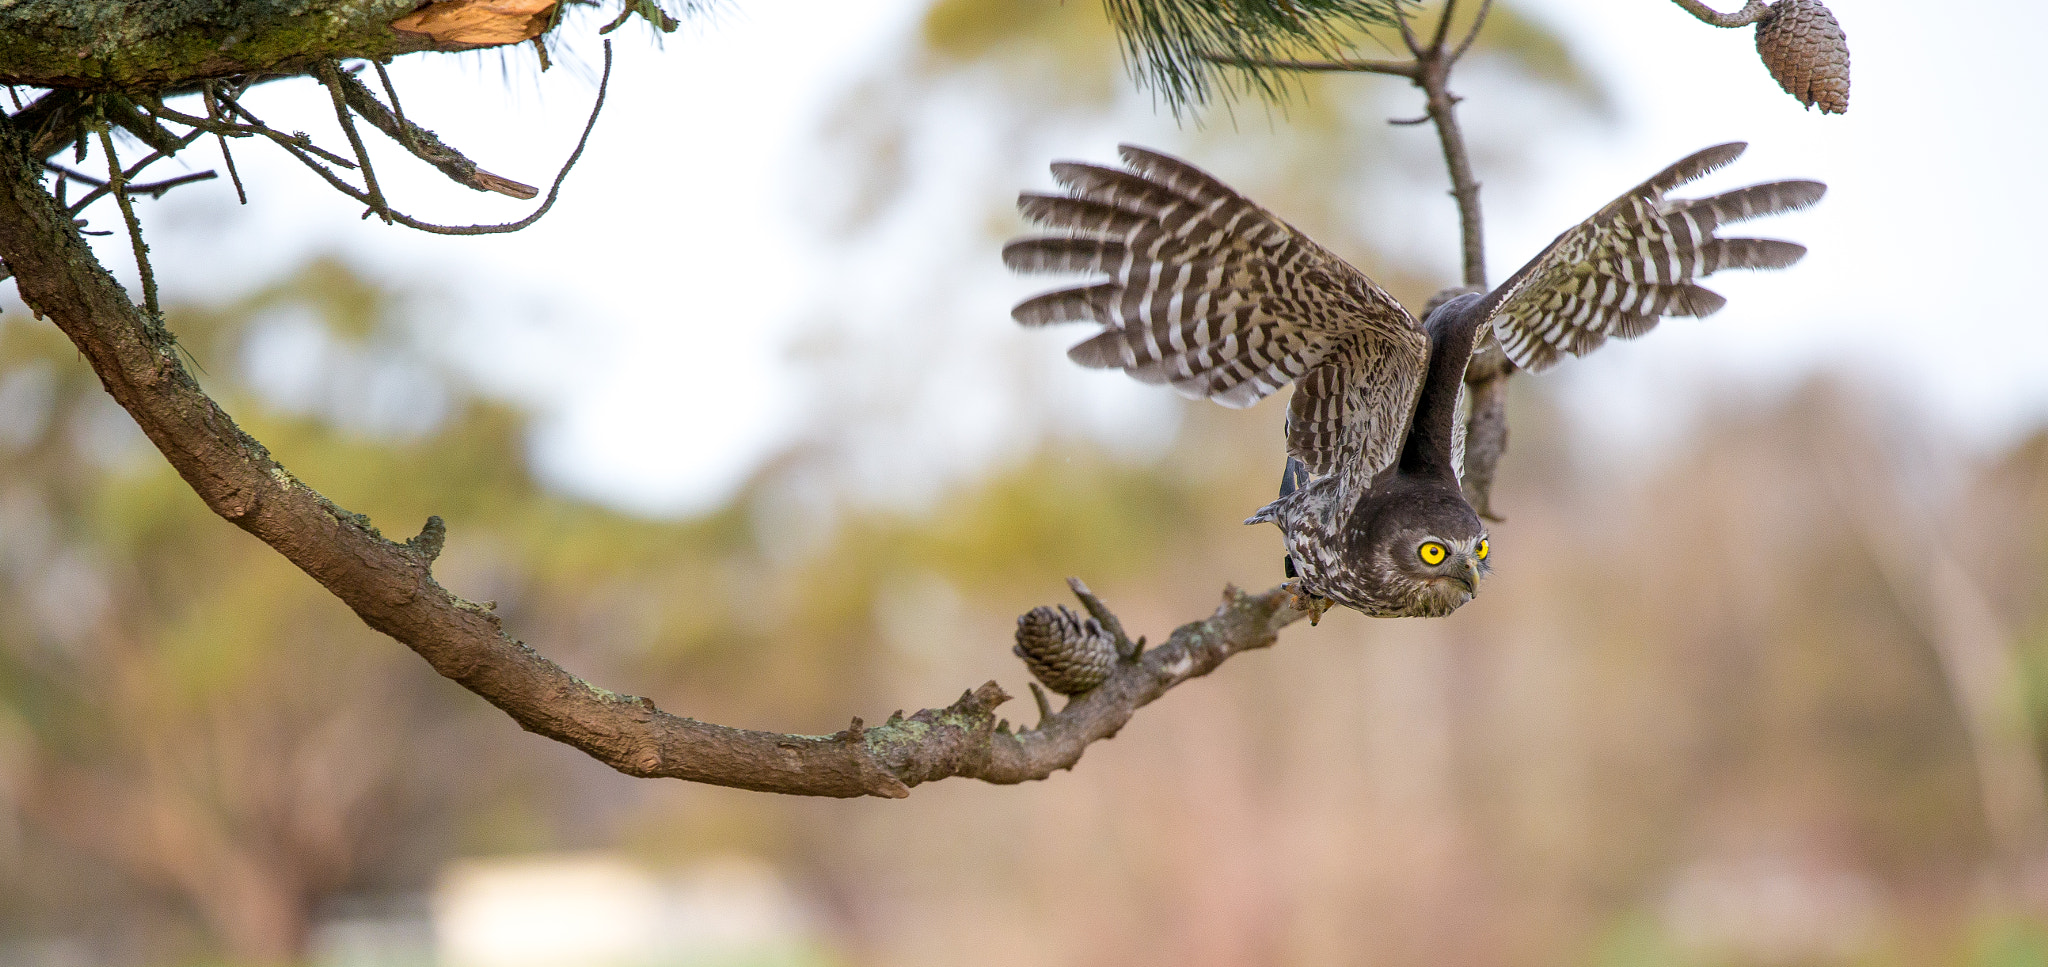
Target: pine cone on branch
(1067, 652)
(1807, 53)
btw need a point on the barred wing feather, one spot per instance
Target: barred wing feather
(1203, 290)
(1635, 260)
(1350, 414)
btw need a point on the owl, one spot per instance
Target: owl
(1196, 287)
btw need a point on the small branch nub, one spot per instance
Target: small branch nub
(1808, 55)
(428, 544)
(1067, 652)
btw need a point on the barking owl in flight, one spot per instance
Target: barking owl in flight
(1199, 288)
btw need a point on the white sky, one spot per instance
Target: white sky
(652, 312)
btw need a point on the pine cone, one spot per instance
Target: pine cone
(1067, 652)
(1807, 53)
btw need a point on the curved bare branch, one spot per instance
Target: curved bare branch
(1751, 12)
(390, 584)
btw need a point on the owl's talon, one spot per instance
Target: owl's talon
(1315, 604)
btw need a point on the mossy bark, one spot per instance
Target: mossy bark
(151, 45)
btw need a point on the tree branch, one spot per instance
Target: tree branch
(154, 189)
(422, 142)
(1486, 428)
(1751, 12)
(390, 585)
(147, 46)
(117, 182)
(302, 148)
(328, 72)
(52, 121)
(1485, 7)
(1396, 68)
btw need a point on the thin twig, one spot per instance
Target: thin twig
(1751, 12)
(1443, 28)
(299, 145)
(118, 181)
(97, 193)
(1485, 7)
(398, 110)
(1407, 33)
(154, 189)
(73, 175)
(1390, 67)
(425, 146)
(233, 175)
(122, 112)
(554, 190)
(328, 79)
(1044, 704)
(1443, 109)
(227, 157)
(256, 126)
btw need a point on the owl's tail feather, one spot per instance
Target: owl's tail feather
(1293, 476)
(1291, 479)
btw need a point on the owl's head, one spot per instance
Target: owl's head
(1425, 549)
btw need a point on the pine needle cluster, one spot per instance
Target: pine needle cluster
(1173, 46)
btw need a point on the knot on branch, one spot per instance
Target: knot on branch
(1067, 652)
(1807, 53)
(427, 546)
(979, 704)
(973, 711)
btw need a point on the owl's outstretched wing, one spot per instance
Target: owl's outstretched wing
(1635, 260)
(1218, 297)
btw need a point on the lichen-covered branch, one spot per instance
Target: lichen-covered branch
(390, 584)
(108, 45)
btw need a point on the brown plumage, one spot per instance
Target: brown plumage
(1201, 289)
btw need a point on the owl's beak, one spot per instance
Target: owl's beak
(1467, 574)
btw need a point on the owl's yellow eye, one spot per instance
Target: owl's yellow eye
(1481, 552)
(1432, 553)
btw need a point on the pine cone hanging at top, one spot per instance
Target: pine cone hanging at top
(1807, 53)
(1067, 652)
